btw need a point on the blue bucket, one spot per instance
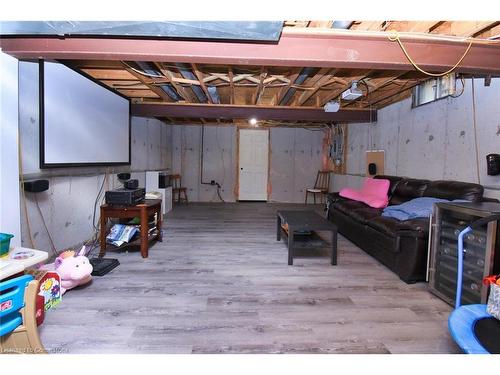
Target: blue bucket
(5, 243)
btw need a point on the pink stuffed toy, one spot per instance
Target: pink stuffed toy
(73, 270)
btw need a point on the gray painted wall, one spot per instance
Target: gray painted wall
(294, 160)
(296, 156)
(433, 141)
(68, 204)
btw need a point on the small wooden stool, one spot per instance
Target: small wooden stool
(178, 192)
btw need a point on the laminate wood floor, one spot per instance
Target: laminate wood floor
(220, 283)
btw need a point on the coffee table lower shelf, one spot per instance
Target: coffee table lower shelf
(310, 245)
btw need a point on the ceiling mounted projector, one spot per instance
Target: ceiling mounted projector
(332, 106)
(353, 92)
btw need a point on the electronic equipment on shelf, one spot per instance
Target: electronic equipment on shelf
(125, 197)
(131, 184)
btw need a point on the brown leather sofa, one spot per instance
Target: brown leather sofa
(399, 245)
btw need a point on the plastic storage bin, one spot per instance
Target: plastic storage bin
(5, 243)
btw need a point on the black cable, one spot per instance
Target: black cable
(202, 164)
(94, 238)
(463, 87)
(218, 193)
(366, 85)
(52, 245)
(95, 203)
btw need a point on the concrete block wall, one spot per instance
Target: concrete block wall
(219, 154)
(68, 205)
(433, 141)
(296, 156)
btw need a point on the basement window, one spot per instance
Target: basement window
(433, 89)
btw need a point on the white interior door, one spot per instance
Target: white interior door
(253, 164)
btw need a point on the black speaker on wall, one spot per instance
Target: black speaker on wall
(36, 186)
(493, 164)
(372, 168)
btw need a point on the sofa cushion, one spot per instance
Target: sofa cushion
(363, 215)
(454, 190)
(407, 189)
(393, 180)
(347, 205)
(420, 225)
(385, 225)
(373, 192)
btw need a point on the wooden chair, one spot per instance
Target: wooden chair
(321, 186)
(178, 192)
(18, 329)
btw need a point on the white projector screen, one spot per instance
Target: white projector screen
(82, 123)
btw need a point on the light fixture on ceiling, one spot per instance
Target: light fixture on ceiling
(352, 93)
(332, 106)
(253, 121)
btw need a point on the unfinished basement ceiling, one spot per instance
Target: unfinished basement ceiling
(311, 64)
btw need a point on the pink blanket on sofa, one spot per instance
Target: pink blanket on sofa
(373, 193)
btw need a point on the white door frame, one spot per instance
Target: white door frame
(237, 190)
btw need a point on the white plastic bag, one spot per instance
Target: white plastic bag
(493, 306)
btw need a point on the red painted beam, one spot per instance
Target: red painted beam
(220, 111)
(333, 49)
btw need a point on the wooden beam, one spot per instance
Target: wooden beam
(479, 28)
(378, 83)
(146, 80)
(231, 84)
(113, 74)
(321, 78)
(279, 96)
(224, 111)
(183, 92)
(395, 95)
(321, 48)
(260, 86)
(199, 75)
(412, 26)
(321, 24)
(141, 94)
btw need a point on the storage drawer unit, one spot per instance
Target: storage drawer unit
(481, 250)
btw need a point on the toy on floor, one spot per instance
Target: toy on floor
(73, 269)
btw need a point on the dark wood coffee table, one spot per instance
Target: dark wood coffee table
(143, 210)
(299, 221)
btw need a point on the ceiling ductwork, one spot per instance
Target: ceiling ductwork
(152, 72)
(342, 24)
(304, 74)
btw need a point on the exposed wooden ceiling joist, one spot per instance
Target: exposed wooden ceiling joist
(231, 84)
(158, 91)
(200, 77)
(260, 86)
(186, 94)
(219, 111)
(321, 78)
